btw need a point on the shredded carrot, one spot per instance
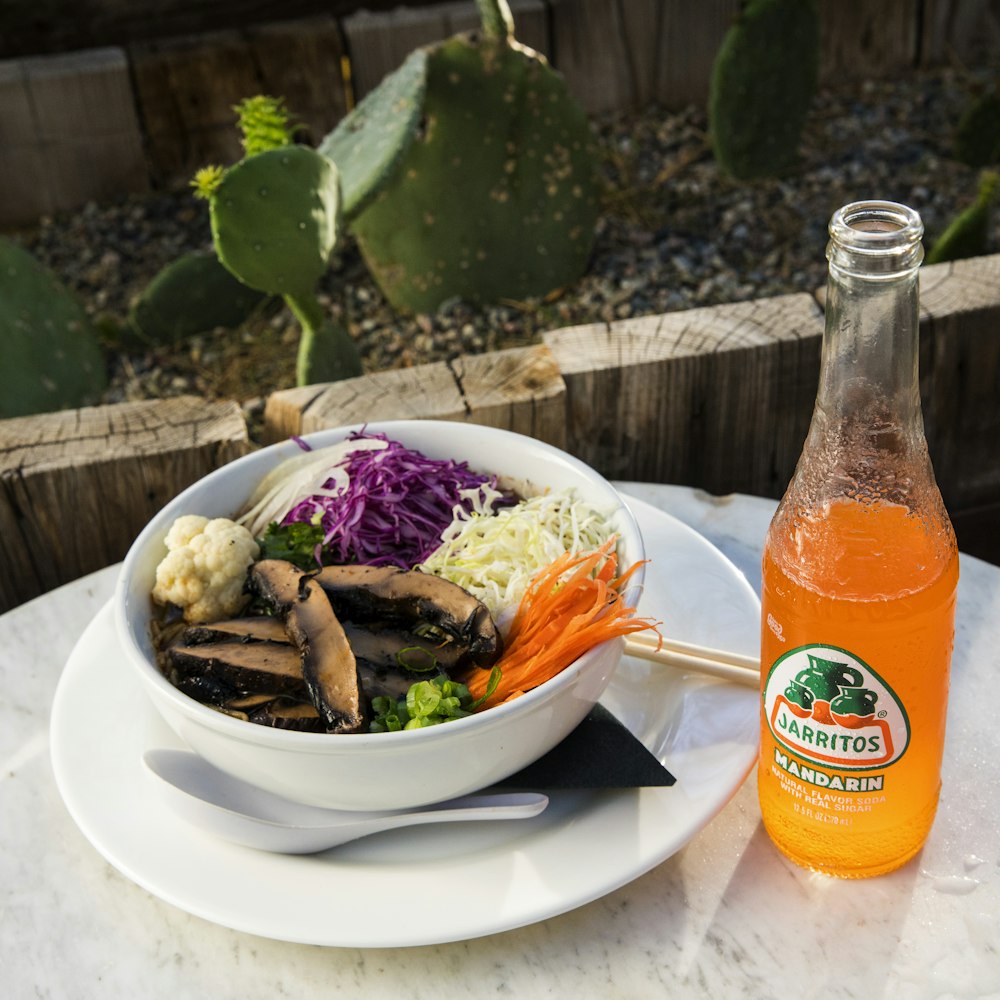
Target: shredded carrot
(569, 607)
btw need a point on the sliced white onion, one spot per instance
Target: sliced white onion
(298, 477)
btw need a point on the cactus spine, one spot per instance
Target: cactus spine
(763, 81)
(51, 358)
(496, 196)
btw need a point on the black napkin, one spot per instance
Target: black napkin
(599, 753)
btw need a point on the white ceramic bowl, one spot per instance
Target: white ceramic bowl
(385, 770)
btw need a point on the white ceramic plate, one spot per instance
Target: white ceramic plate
(430, 885)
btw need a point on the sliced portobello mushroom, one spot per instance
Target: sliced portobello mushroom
(251, 702)
(388, 648)
(410, 598)
(207, 690)
(379, 682)
(283, 714)
(258, 628)
(381, 645)
(328, 666)
(236, 666)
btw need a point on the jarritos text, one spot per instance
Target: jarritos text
(829, 707)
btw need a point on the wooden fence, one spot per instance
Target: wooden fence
(157, 104)
(717, 398)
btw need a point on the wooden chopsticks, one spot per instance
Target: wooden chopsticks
(701, 659)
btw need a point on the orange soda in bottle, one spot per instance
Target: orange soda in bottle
(860, 569)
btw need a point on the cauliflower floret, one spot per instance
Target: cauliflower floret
(205, 566)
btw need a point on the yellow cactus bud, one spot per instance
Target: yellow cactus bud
(206, 181)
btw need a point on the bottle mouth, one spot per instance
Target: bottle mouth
(875, 239)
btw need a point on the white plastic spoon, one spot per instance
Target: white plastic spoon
(244, 814)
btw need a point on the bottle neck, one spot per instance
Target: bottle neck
(869, 367)
(869, 388)
(865, 458)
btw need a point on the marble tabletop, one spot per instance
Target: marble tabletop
(726, 916)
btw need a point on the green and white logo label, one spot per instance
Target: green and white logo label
(831, 708)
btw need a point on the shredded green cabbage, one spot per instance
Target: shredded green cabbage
(494, 557)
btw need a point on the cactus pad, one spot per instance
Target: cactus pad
(275, 218)
(763, 81)
(968, 233)
(51, 359)
(977, 136)
(369, 142)
(192, 295)
(326, 354)
(496, 197)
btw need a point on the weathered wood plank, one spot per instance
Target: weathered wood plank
(868, 39)
(68, 132)
(40, 26)
(590, 50)
(379, 42)
(963, 27)
(689, 39)
(24, 190)
(77, 486)
(967, 30)
(86, 124)
(642, 23)
(518, 389)
(960, 377)
(718, 398)
(301, 61)
(425, 391)
(186, 88)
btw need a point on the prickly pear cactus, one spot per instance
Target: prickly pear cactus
(495, 196)
(368, 144)
(192, 295)
(51, 359)
(275, 220)
(763, 81)
(968, 233)
(977, 136)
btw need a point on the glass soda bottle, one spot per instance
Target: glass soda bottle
(860, 569)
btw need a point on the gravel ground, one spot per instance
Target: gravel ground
(674, 233)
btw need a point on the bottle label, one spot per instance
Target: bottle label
(829, 707)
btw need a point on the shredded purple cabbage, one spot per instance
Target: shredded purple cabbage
(394, 508)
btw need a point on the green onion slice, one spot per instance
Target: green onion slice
(417, 660)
